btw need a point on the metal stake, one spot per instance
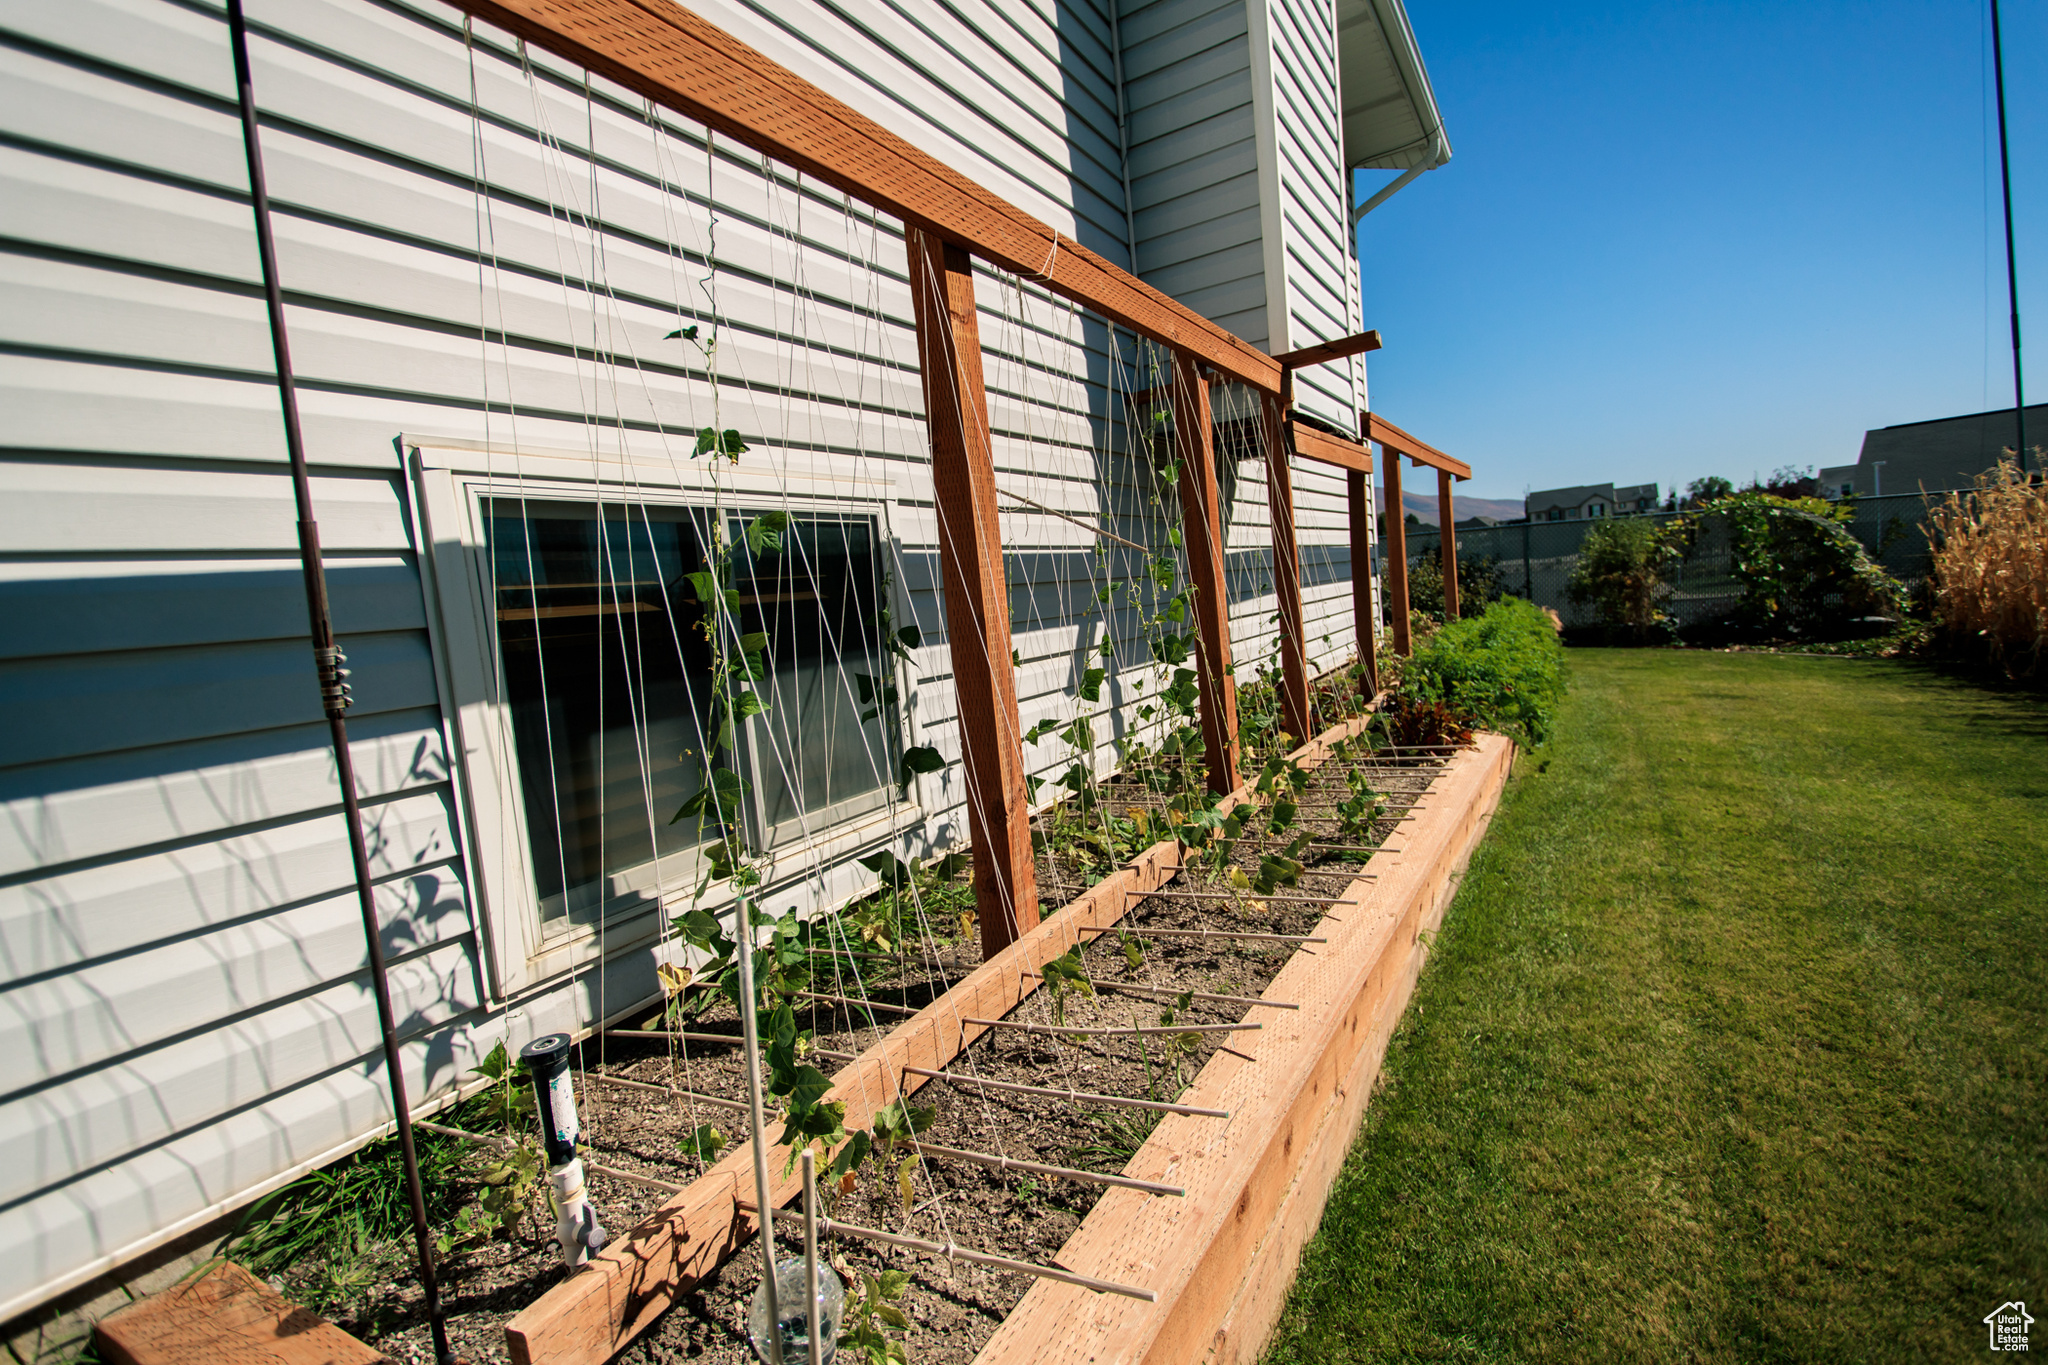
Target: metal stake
(334, 690)
(751, 1043)
(812, 1316)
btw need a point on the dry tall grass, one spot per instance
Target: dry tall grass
(1991, 568)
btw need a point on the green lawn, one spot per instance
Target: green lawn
(1734, 1045)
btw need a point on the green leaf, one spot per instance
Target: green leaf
(705, 1142)
(893, 871)
(1091, 684)
(921, 759)
(1041, 730)
(910, 637)
(749, 703)
(753, 642)
(851, 1155)
(764, 533)
(683, 334)
(707, 440)
(1170, 649)
(810, 1087)
(730, 444)
(703, 585)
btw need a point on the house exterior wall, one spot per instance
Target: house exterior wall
(185, 981)
(1949, 452)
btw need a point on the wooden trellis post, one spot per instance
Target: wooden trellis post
(1449, 543)
(1202, 531)
(1364, 622)
(1294, 715)
(1397, 548)
(977, 598)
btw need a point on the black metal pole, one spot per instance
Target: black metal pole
(2012, 277)
(334, 691)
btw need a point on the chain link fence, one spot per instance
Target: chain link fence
(1535, 559)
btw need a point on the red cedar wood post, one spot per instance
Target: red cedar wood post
(1287, 564)
(1202, 531)
(977, 598)
(1397, 548)
(1361, 579)
(1449, 544)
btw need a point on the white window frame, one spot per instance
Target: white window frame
(452, 480)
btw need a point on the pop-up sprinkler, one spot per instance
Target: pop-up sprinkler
(554, 1094)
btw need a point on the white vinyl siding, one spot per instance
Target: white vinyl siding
(185, 993)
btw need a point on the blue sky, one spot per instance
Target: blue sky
(1686, 239)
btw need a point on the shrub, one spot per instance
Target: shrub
(1415, 723)
(1620, 570)
(1990, 577)
(1479, 584)
(1505, 669)
(1799, 569)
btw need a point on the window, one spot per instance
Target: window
(573, 668)
(606, 671)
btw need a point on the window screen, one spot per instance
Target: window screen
(607, 672)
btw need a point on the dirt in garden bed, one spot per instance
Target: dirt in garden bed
(955, 1307)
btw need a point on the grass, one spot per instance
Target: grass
(1732, 1046)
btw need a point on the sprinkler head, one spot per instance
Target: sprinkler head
(554, 1093)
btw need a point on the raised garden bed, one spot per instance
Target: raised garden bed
(1217, 1259)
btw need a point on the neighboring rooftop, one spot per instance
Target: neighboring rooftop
(1589, 502)
(1946, 452)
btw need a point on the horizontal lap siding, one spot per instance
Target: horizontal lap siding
(1195, 197)
(184, 995)
(1320, 303)
(1194, 157)
(173, 827)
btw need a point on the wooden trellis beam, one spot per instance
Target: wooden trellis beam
(977, 596)
(1378, 428)
(1202, 533)
(1323, 352)
(683, 62)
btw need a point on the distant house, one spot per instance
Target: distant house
(1949, 452)
(1589, 502)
